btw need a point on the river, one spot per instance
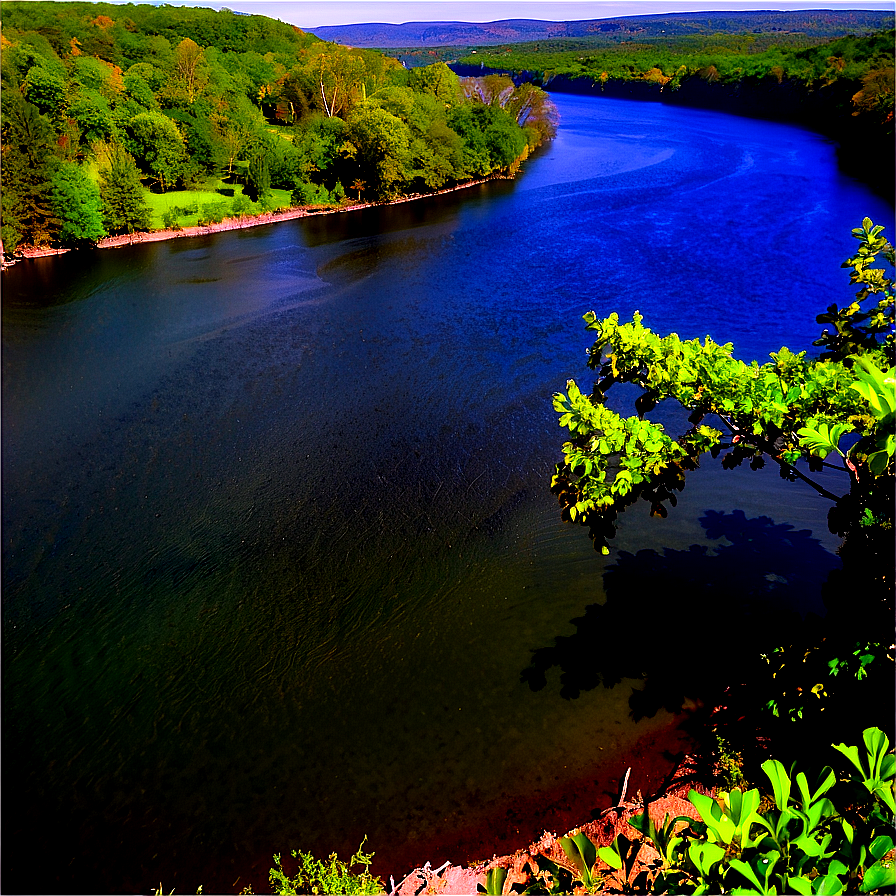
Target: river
(278, 543)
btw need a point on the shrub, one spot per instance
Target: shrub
(331, 876)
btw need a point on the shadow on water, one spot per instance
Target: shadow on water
(672, 617)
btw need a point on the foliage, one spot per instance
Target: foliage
(193, 94)
(157, 146)
(77, 203)
(833, 413)
(330, 876)
(788, 410)
(124, 208)
(731, 57)
(213, 212)
(795, 840)
(804, 844)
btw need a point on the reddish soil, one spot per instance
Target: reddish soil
(661, 769)
(602, 829)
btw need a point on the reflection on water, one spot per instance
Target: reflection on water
(660, 605)
(277, 533)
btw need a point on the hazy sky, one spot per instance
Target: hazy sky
(311, 13)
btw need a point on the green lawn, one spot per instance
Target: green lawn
(222, 195)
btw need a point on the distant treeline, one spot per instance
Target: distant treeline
(793, 28)
(722, 57)
(102, 101)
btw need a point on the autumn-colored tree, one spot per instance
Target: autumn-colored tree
(189, 71)
(876, 95)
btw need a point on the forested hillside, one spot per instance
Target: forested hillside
(108, 107)
(719, 56)
(796, 27)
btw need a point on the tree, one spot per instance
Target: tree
(190, 72)
(258, 180)
(338, 75)
(492, 139)
(382, 150)
(799, 413)
(124, 208)
(436, 79)
(157, 146)
(29, 155)
(45, 87)
(77, 204)
(91, 112)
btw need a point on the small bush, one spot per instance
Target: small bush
(305, 193)
(331, 876)
(212, 213)
(171, 219)
(240, 206)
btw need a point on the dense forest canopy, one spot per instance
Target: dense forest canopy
(717, 56)
(103, 101)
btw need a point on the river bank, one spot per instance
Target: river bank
(240, 223)
(864, 151)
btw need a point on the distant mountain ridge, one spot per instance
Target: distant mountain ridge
(819, 23)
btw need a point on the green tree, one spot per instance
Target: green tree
(77, 204)
(93, 116)
(137, 87)
(492, 139)
(158, 147)
(46, 89)
(382, 150)
(437, 80)
(802, 414)
(258, 178)
(124, 207)
(29, 155)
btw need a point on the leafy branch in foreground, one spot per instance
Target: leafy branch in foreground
(831, 414)
(787, 410)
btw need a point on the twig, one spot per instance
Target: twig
(624, 788)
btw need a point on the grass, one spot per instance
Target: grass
(215, 192)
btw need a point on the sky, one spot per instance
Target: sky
(313, 13)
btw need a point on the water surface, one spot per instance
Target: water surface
(278, 544)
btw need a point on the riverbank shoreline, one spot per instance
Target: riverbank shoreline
(863, 152)
(660, 766)
(243, 222)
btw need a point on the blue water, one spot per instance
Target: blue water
(278, 544)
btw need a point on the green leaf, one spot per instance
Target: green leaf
(800, 885)
(829, 885)
(721, 827)
(780, 782)
(610, 856)
(705, 855)
(878, 877)
(852, 754)
(825, 782)
(748, 872)
(880, 846)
